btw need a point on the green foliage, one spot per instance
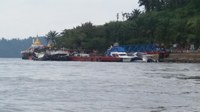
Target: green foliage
(51, 38)
(158, 5)
(164, 21)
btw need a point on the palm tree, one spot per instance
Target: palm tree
(51, 38)
(135, 14)
(145, 3)
(125, 15)
(183, 32)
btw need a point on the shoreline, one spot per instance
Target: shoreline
(185, 57)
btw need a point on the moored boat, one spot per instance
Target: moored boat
(28, 53)
(95, 59)
(113, 54)
(121, 53)
(37, 51)
(51, 55)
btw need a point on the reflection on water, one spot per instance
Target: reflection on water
(38, 86)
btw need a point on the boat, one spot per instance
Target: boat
(37, 51)
(120, 52)
(153, 52)
(113, 54)
(51, 55)
(28, 53)
(87, 57)
(121, 55)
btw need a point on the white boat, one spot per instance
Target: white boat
(143, 57)
(133, 57)
(122, 55)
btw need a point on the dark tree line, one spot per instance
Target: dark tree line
(12, 48)
(163, 22)
(158, 5)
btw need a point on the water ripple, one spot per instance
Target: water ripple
(36, 86)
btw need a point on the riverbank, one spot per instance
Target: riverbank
(191, 57)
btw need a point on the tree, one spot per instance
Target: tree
(134, 14)
(51, 38)
(164, 31)
(145, 3)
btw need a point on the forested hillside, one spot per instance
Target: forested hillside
(12, 48)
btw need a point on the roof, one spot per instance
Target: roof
(37, 42)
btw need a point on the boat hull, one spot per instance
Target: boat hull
(126, 59)
(95, 59)
(55, 57)
(27, 56)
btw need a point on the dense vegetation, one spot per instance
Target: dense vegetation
(162, 22)
(11, 48)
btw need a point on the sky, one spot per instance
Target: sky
(25, 18)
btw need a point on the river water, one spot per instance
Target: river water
(43, 86)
